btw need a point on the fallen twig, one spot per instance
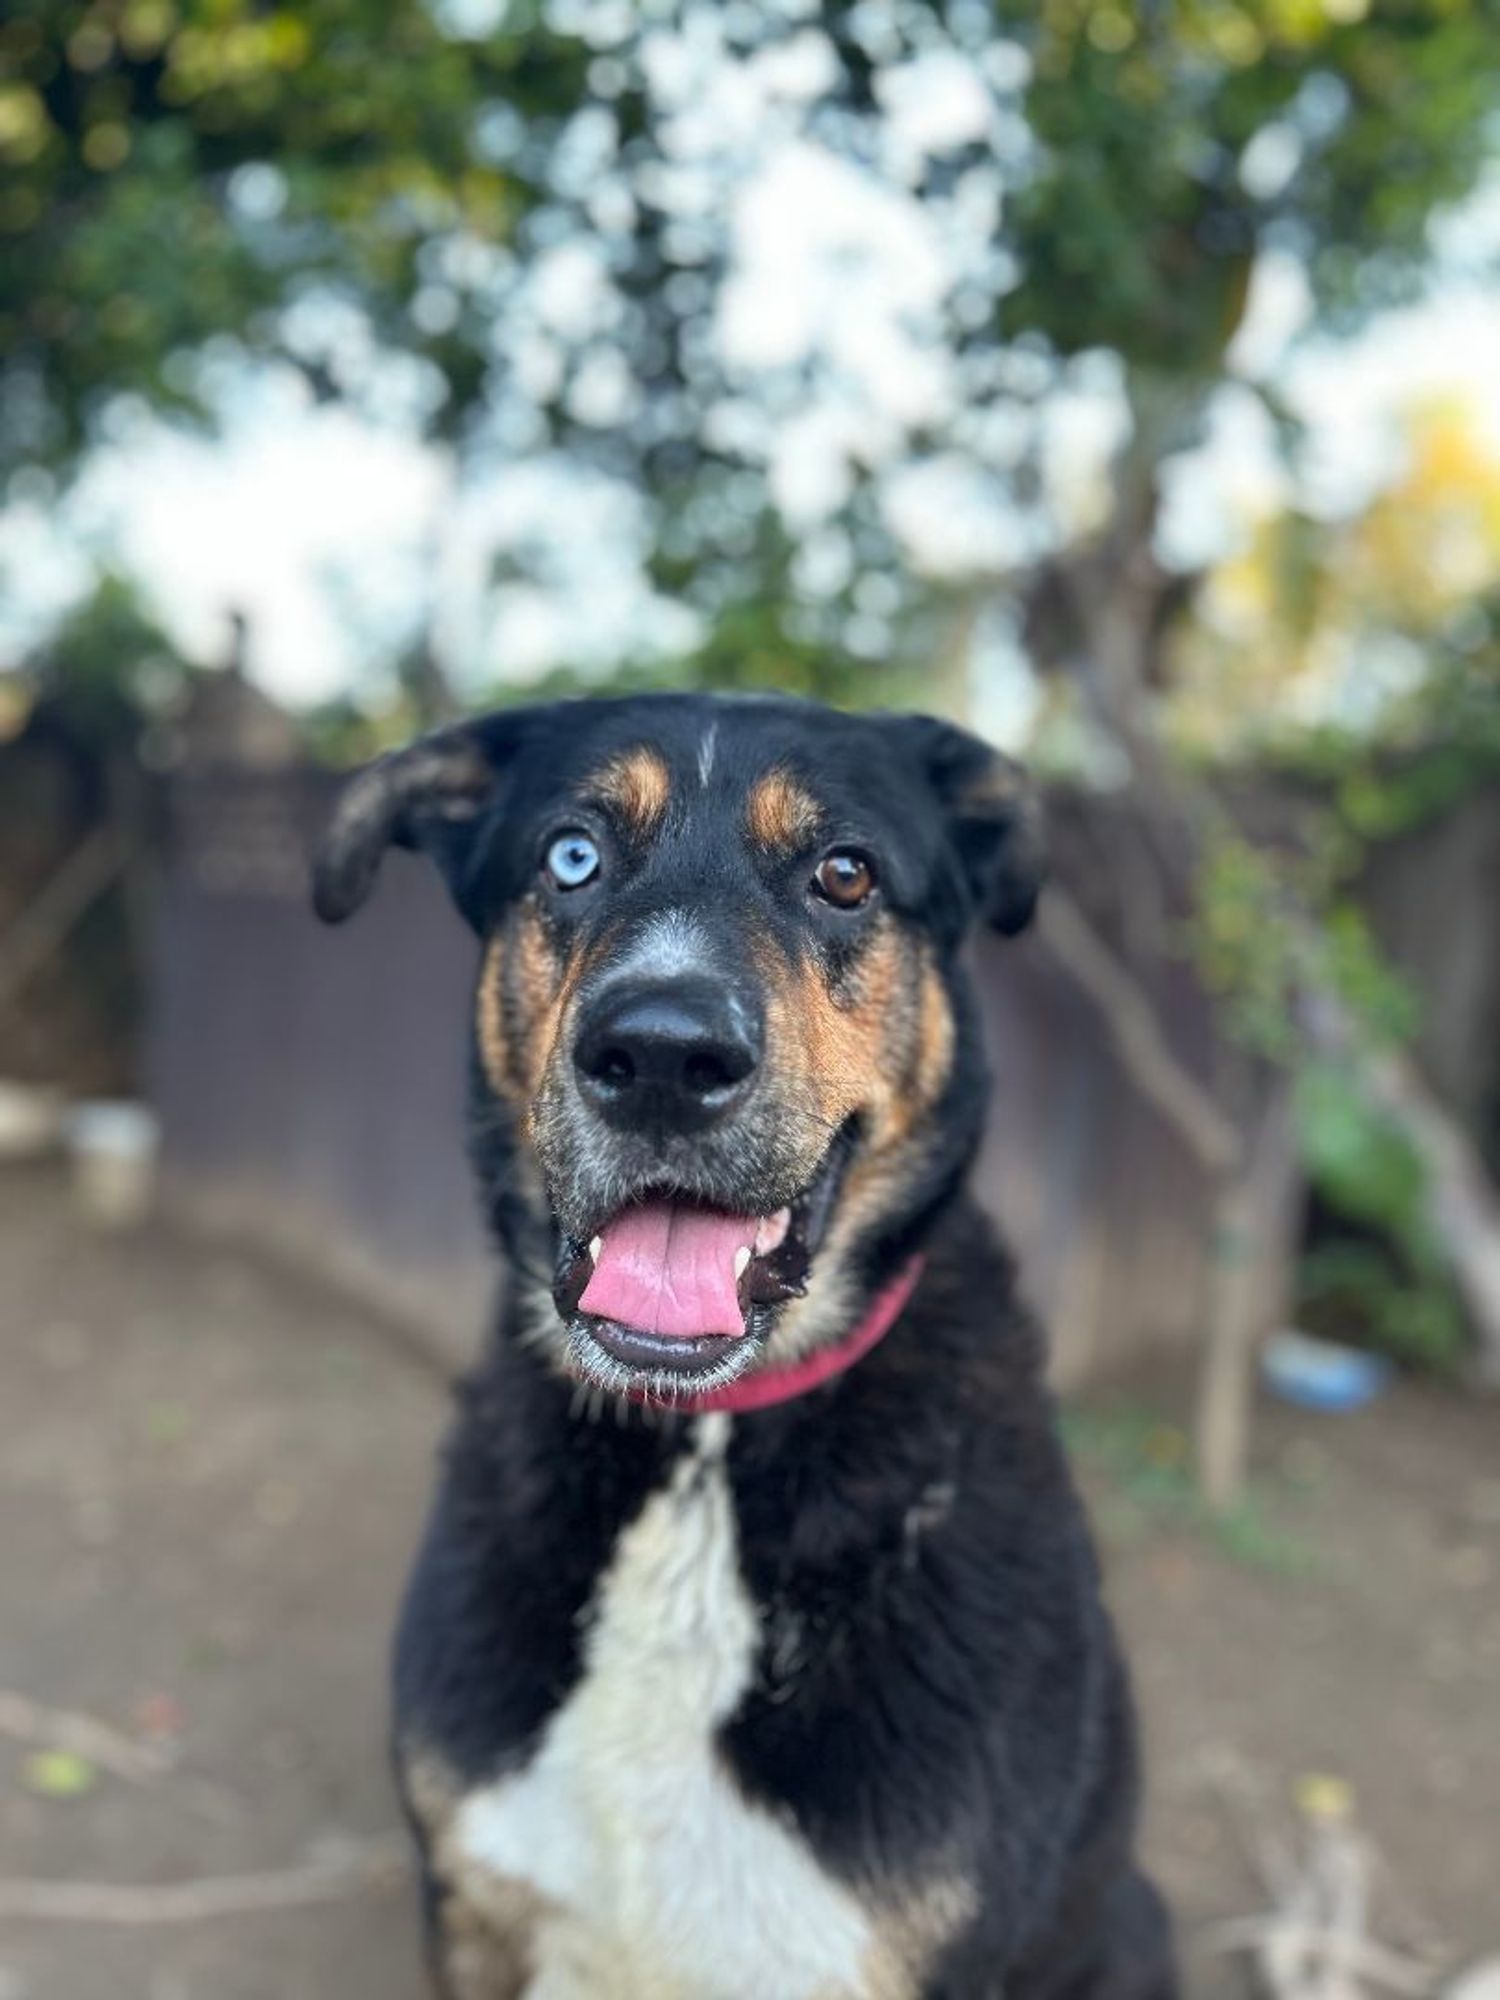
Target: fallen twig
(105, 1747)
(1314, 1941)
(1130, 1018)
(30, 1722)
(374, 1864)
(1315, 1945)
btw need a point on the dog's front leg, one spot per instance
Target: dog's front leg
(479, 1929)
(480, 1948)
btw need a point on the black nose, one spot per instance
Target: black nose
(667, 1057)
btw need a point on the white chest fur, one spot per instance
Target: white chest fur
(658, 1878)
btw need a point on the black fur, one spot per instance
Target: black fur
(938, 1687)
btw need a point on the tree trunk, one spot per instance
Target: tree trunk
(1253, 1249)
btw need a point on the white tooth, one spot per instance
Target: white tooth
(595, 1247)
(772, 1232)
(741, 1260)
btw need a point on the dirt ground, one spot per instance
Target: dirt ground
(212, 1478)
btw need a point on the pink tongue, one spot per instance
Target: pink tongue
(667, 1268)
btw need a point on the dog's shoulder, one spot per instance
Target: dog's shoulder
(935, 1651)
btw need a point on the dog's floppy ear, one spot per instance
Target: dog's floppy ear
(994, 820)
(433, 796)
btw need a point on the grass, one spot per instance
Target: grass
(1143, 1479)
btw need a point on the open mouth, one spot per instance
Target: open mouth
(677, 1293)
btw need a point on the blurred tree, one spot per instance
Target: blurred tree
(175, 172)
(105, 671)
(1180, 139)
(1338, 642)
(180, 169)
(73, 928)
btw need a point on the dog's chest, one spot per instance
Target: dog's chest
(653, 1875)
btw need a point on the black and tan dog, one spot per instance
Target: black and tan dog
(755, 1651)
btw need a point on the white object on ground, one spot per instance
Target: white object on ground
(113, 1146)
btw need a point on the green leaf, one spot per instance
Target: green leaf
(58, 1774)
(1360, 1160)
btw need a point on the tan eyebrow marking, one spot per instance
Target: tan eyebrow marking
(637, 786)
(781, 815)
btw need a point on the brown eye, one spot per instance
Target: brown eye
(844, 879)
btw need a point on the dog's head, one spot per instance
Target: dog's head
(725, 1062)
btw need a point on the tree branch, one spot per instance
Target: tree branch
(1131, 1021)
(1464, 1207)
(42, 928)
(1462, 1202)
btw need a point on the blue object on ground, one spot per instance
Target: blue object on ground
(1320, 1375)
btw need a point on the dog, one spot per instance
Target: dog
(755, 1649)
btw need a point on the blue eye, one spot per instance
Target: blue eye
(572, 860)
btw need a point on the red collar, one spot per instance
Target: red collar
(759, 1390)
